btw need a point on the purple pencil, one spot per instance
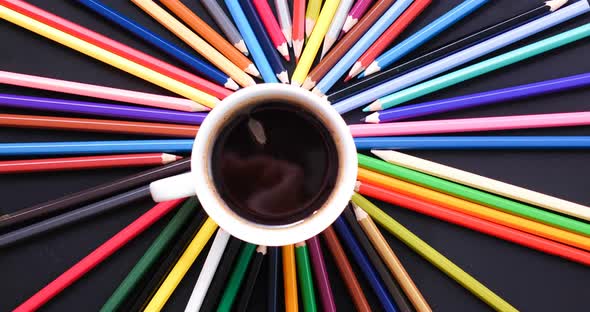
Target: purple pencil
(101, 109)
(358, 10)
(321, 275)
(479, 99)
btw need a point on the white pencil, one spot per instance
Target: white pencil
(284, 17)
(336, 25)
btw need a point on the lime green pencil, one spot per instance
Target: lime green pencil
(236, 278)
(305, 277)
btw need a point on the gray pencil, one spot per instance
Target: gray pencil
(73, 216)
(226, 24)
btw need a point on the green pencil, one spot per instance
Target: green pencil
(236, 278)
(305, 277)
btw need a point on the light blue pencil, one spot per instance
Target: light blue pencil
(357, 50)
(252, 43)
(95, 147)
(423, 35)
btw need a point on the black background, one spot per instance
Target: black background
(530, 280)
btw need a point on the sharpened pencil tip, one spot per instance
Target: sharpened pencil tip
(168, 158)
(357, 186)
(556, 4)
(295, 83)
(373, 107)
(308, 84)
(359, 213)
(252, 70)
(348, 24)
(381, 154)
(283, 77)
(356, 69)
(284, 50)
(371, 69)
(288, 33)
(318, 92)
(241, 46)
(309, 25)
(231, 84)
(373, 118)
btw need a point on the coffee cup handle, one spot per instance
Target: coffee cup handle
(174, 187)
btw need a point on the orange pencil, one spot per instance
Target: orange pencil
(290, 279)
(298, 27)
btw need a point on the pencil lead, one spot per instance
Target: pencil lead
(231, 84)
(241, 46)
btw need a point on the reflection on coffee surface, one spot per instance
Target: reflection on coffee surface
(274, 164)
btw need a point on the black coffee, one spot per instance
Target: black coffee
(274, 164)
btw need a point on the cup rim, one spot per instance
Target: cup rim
(275, 235)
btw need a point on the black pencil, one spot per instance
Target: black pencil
(452, 47)
(53, 207)
(250, 282)
(274, 254)
(392, 286)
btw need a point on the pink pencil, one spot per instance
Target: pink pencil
(100, 92)
(472, 124)
(358, 10)
(272, 27)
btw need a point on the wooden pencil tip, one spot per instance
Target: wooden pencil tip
(383, 154)
(252, 70)
(231, 84)
(284, 50)
(357, 186)
(308, 84)
(373, 118)
(261, 249)
(241, 46)
(359, 212)
(168, 158)
(301, 244)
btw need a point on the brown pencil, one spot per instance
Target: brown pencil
(338, 51)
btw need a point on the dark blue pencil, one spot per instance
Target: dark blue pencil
(273, 279)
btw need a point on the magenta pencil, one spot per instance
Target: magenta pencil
(471, 124)
(321, 275)
(358, 10)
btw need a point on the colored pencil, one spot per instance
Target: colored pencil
(391, 260)
(95, 147)
(208, 271)
(463, 56)
(225, 24)
(155, 277)
(483, 67)
(366, 267)
(348, 276)
(272, 27)
(284, 16)
(336, 26)
(52, 207)
(105, 56)
(265, 42)
(290, 278)
(483, 98)
(119, 49)
(312, 14)
(320, 275)
(305, 277)
(476, 210)
(298, 28)
(480, 225)
(253, 272)
(251, 41)
(356, 49)
(392, 287)
(388, 37)
(221, 275)
(344, 44)
(149, 260)
(88, 162)
(101, 92)
(469, 124)
(314, 42)
(433, 256)
(97, 256)
(73, 216)
(474, 195)
(272, 300)
(211, 36)
(159, 43)
(486, 184)
(424, 35)
(358, 10)
(100, 109)
(236, 278)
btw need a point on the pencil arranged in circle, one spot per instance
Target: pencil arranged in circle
(265, 41)
(284, 16)
(356, 13)
(433, 256)
(344, 44)
(208, 271)
(96, 257)
(158, 42)
(236, 278)
(272, 27)
(305, 277)
(298, 28)
(225, 24)
(326, 297)
(119, 49)
(312, 14)
(163, 243)
(388, 37)
(211, 36)
(290, 278)
(391, 260)
(272, 301)
(253, 273)
(336, 26)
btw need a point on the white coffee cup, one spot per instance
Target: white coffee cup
(200, 182)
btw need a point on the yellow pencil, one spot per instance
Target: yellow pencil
(107, 57)
(185, 262)
(433, 256)
(290, 279)
(196, 42)
(315, 41)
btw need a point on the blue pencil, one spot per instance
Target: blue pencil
(267, 45)
(95, 147)
(423, 35)
(364, 264)
(473, 142)
(357, 50)
(167, 47)
(252, 43)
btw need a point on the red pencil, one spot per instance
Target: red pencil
(97, 256)
(298, 27)
(117, 48)
(272, 27)
(388, 37)
(474, 223)
(86, 162)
